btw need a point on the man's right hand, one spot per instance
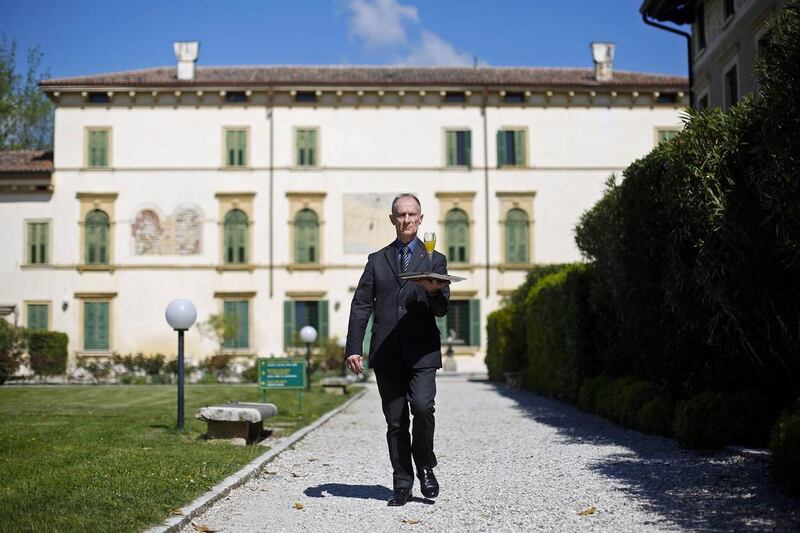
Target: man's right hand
(355, 363)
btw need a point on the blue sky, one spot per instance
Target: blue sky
(81, 37)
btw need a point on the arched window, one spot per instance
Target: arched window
(96, 238)
(236, 237)
(456, 236)
(517, 236)
(306, 237)
(147, 233)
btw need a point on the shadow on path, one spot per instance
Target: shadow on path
(362, 492)
(696, 490)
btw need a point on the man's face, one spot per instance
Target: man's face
(407, 219)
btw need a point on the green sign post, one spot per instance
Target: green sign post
(282, 373)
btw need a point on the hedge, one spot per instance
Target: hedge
(785, 446)
(12, 348)
(47, 351)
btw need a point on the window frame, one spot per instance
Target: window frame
(525, 152)
(659, 129)
(732, 65)
(246, 131)
(290, 307)
(87, 130)
(247, 347)
(467, 147)
(246, 240)
(447, 237)
(48, 313)
(506, 259)
(96, 297)
(700, 26)
(473, 322)
(26, 244)
(296, 146)
(295, 236)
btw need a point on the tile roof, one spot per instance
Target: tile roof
(262, 76)
(26, 161)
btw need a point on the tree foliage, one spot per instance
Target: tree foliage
(26, 115)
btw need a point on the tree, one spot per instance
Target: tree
(26, 115)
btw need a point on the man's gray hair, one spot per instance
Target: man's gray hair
(404, 195)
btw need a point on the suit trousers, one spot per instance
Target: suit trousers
(399, 390)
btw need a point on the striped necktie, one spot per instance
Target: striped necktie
(405, 258)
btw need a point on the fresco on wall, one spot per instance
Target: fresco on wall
(366, 222)
(175, 235)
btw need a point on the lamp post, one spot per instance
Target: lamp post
(341, 342)
(180, 315)
(308, 335)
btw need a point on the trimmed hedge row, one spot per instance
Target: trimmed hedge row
(47, 352)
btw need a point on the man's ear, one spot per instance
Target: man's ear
(421, 217)
(391, 219)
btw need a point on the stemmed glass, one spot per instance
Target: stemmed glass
(429, 238)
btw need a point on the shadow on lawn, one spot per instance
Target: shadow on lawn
(696, 490)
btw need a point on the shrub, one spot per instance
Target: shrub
(590, 390)
(705, 421)
(98, 369)
(657, 416)
(785, 446)
(12, 346)
(498, 333)
(250, 374)
(47, 351)
(216, 368)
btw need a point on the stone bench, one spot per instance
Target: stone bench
(335, 385)
(236, 420)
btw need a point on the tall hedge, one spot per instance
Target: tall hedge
(47, 351)
(558, 334)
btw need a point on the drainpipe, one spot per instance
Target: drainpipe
(688, 50)
(486, 182)
(270, 111)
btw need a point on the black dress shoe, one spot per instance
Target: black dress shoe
(400, 497)
(428, 483)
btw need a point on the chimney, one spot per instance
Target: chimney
(186, 53)
(603, 56)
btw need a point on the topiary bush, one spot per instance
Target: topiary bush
(498, 333)
(785, 446)
(590, 390)
(705, 421)
(47, 352)
(657, 416)
(12, 348)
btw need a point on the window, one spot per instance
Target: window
(96, 238)
(729, 8)
(456, 236)
(306, 237)
(514, 98)
(237, 318)
(298, 314)
(95, 325)
(667, 98)
(510, 148)
(517, 236)
(38, 234)
(38, 316)
(235, 96)
(463, 322)
(305, 96)
(236, 237)
(703, 102)
(731, 87)
(665, 134)
(99, 98)
(97, 147)
(459, 148)
(306, 147)
(236, 148)
(700, 25)
(452, 97)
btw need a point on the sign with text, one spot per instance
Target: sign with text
(275, 373)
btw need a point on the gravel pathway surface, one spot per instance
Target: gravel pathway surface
(508, 461)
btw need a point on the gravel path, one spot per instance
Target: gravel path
(508, 461)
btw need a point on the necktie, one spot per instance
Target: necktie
(405, 258)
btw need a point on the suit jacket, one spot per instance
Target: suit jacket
(404, 332)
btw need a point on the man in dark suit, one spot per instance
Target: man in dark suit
(405, 348)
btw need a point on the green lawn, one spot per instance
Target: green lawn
(102, 458)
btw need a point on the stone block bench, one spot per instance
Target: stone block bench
(236, 420)
(335, 385)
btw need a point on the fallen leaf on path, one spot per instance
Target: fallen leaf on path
(270, 472)
(410, 521)
(299, 506)
(312, 459)
(587, 512)
(295, 474)
(202, 528)
(177, 511)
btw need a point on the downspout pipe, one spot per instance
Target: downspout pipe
(689, 54)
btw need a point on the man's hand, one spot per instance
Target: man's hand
(432, 285)
(355, 363)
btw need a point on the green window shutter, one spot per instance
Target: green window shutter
(96, 238)
(300, 148)
(306, 237)
(288, 324)
(235, 231)
(44, 237)
(306, 147)
(37, 242)
(517, 236)
(519, 148)
(322, 309)
(468, 148)
(95, 325)
(312, 147)
(228, 309)
(456, 235)
(367, 337)
(37, 317)
(242, 148)
(441, 323)
(98, 148)
(102, 322)
(475, 322)
(501, 148)
(243, 314)
(450, 137)
(229, 147)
